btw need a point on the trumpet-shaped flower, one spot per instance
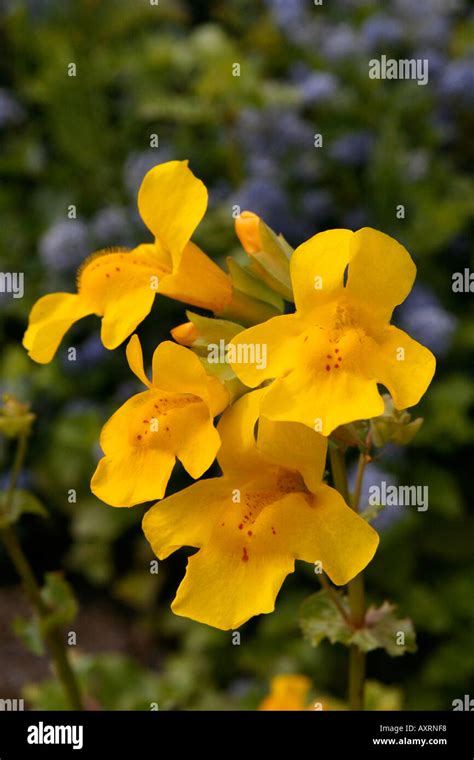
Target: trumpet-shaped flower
(120, 286)
(269, 508)
(173, 418)
(327, 358)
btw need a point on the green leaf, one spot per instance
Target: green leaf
(249, 283)
(59, 597)
(212, 330)
(29, 632)
(320, 619)
(272, 263)
(383, 630)
(22, 502)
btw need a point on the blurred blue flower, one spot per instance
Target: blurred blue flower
(421, 9)
(457, 81)
(264, 198)
(11, 112)
(272, 132)
(340, 42)
(138, 163)
(436, 61)
(65, 245)
(423, 317)
(353, 148)
(381, 31)
(433, 31)
(111, 226)
(292, 18)
(318, 87)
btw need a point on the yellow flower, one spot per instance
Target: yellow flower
(287, 692)
(269, 508)
(173, 418)
(120, 286)
(327, 358)
(291, 692)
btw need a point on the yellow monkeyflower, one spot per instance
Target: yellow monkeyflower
(327, 358)
(173, 418)
(120, 285)
(287, 692)
(291, 692)
(269, 508)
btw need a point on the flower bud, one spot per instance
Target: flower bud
(15, 417)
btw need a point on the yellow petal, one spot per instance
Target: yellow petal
(323, 401)
(287, 692)
(223, 589)
(267, 350)
(322, 528)
(197, 280)
(317, 268)
(381, 272)
(135, 359)
(295, 446)
(404, 366)
(141, 440)
(178, 369)
(172, 202)
(50, 318)
(121, 286)
(239, 452)
(186, 518)
(197, 440)
(133, 471)
(133, 476)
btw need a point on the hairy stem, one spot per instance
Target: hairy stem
(356, 586)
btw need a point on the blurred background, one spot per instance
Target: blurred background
(85, 141)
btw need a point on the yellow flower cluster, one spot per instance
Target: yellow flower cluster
(312, 370)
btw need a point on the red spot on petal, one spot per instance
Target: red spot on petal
(139, 437)
(336, 350)
(249, 533)
(273, 530)
(336, 366)
(117, 269)
(245, 556)
(327, 367)
(329, 356)
(241, 526)
(222, 524)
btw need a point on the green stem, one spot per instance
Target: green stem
(356, 586)
(334, 597)
(53, 638)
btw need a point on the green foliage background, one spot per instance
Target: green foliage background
(167, 69)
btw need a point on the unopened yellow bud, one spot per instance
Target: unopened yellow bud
(247, 230)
